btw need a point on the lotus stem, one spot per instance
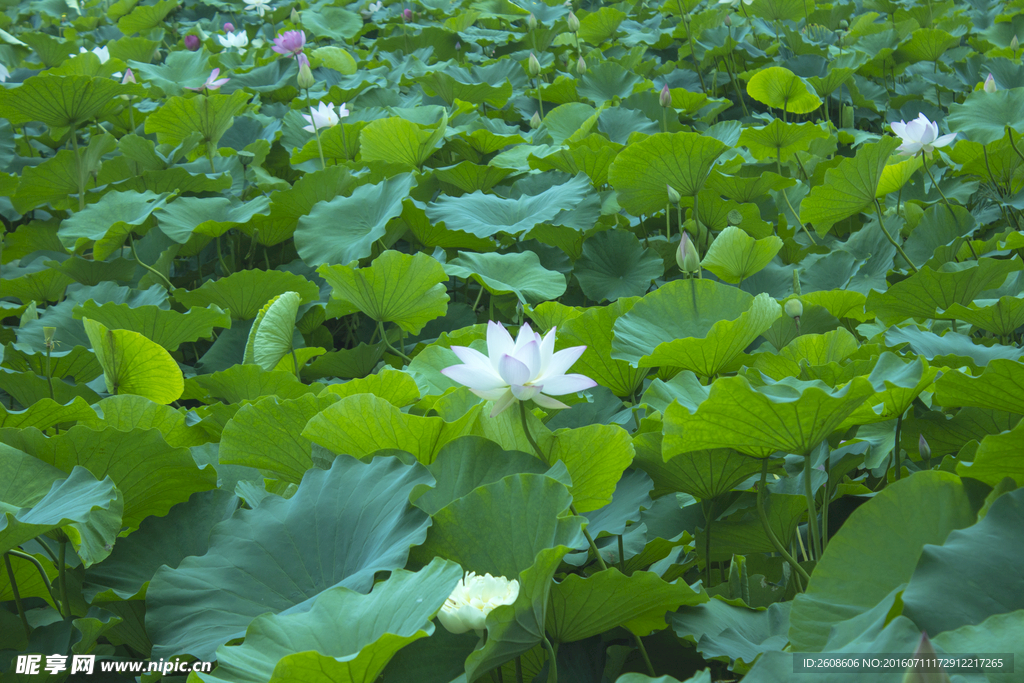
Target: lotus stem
(768, 529)
(881, 224)
(519, 669)
(1009, 131)
(81, 170)
(812, 510)
(689, 42)
(896, 448)
(552, 658)
(708, 510)
(17, 596)
(62, 579)
(39, 568)
(924, 158)
(387, 343)
(131, 241)
(316, 132)
(622, 556)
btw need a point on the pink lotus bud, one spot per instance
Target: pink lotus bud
(458, 46)
(665, 98)
(923, 448)
(192, 42)
(229, 27)
(728, 20)
(990, 84)
(129, 77)
(686, 255)
(534, 65)
(407, 14)
(573, 22)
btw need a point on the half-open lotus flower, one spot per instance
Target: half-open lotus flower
(289, 43)
(237, 40)
(474, 597)
(102, 52)
(324, 116)
(920, 135)
(520, 370)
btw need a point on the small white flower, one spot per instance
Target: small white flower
(376, 6)
(519, 370)
(238, 40)
(260, 6)
(102, 52)
(920, 135)
(324, 117)
(4, 73)
(735, 3)
(473, 599)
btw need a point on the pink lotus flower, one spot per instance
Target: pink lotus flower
(518, 370)
(289, 43)
(192, 42)
(229, 27)
(407, 14)
(212, 83)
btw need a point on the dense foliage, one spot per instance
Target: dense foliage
(252, 410)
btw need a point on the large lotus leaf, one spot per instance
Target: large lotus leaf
(398, 388)
(529, 530)
(287, 206)
(151, 475)
(46, 413)
(1000, 387)
(780, 141)
(169, 329)
(89, 511)
(593, 329)
(979, 556)
(484, 215)
(734, 255)
(790, 415)
(167, 540)
(927, 293)
(345, 637)
(565, 121)
(849, 188)
(608, 81)
(144, 17)
(209, 216)
(395, 140)
(209, 115)
(614, 265)
(780, 88)
(897, 384)
(642, 170)
(698, 325)
(408, 290)
(63, 101)
(246, 382)
(340, 527)
(1000, 316)
(630, 499)
(984, 116)
(998, 456)
(128, 411)
(998, 633)
(521, 274)
(243, 293)
(133, 364)
(450, 86)
(280, 450)
(344, 229)
(875, 551)
(951, 348)
(703, 474)
(582, 607)
(270, 337)
(55, 180)
(722, 629)
(109, 221)
(595, 455)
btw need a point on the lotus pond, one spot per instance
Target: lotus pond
(436, 341)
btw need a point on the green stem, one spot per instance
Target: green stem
(62, 579)
(752, 32)
(316, 132)
(824, 516)
(552, 658)
(387, 343)
(131, 241)
(736, 86)
(1012, 144)
(643, 653)
(39, 568)
(797, 217)
(622, 556)
(131, 114)
(812, 510)
(693, 57)
(478, 297)
(17, 596)
(49, 377)
(209, 142)
(708, 512)
(295, 359)
(519, 669)
(896, 449)
(81, 170)
(881, 224)
(668, 223)
(768, 529)
(924, 158)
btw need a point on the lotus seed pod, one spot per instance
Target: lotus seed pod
(673, 195)
(665, 98)
(581, 66)
(531, 22)
(923, 448)
(535, 120)
(734, 217)
(574, 23)
(794, 309)
(534, 65)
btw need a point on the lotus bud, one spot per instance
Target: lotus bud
(665, 98)
(847, 116)
(531, 22)
(228, 27)
(192, 42)
(922, 673)
(407, 14)
(990, 84)
(574, 23)
(534, 65)
(581, 66)
(728, 20)
(1014, 45)
(294, 16)
(673, 195)
(686, 255)
(794, 309)
(923, 448)
(458, 46)
(305, 79)
(535, 120)
(843, 24)
(686, 19)
(796, 281)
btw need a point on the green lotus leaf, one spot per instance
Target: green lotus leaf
(128, 411)
(895, 176)
(998, 388)
(587, 606)
(985, 119)
(597, 27)
(270, 337)
(704, 474)
(452, 85)
(734, 255)
(209, 115)
(789, 415)
(876, 551)
(470, 177)
(607, 82)
(407, 290)
(107, 222)
(736, 633)
(614, 265)
(55, 180)
(570, 122)
(997, 457)
(591, 155)
(395, 140)
(780, 140)
(63, 101)
(642, 170)
(926, 45)
(950, 348)
(897, 384)
(335, 23)
(1000, 632)
(133, 364)
(34, 503)
(246, 382)
(46, 413)
(595, 455)
(169, 329)
(340, 527)
(151, 476)
(209, 216)
(629, 501)
(697, 325)
(144, 17)
(780, 88)
(849, 188)
(520, 274)
(344, 229)
(744, 534)
(287, 206)
(779, 10)
(336, 58)
(244, 293)
(1000, 316)
(593, 329)
(398, 388)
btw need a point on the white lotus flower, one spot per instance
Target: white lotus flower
(518, 370)
(376, 6)
(238, 40)
(260, 6)
(473, 599)
(920, 135)
(324, 117)
(4, 73)
(735, 3)
(102, 52)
